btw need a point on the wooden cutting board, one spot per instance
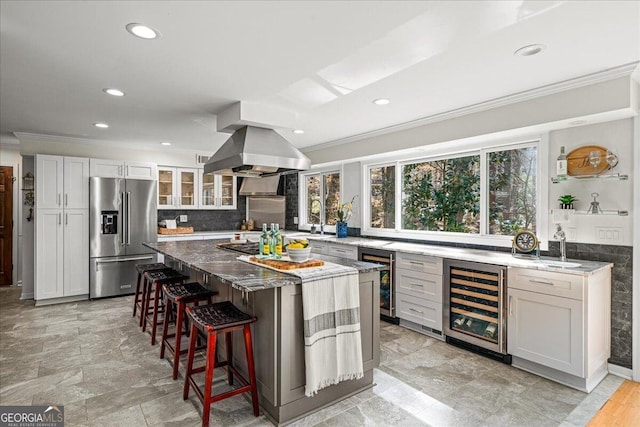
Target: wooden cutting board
(288, 265)
(178, 230)
(578, 161)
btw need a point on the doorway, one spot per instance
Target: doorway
(6, 225)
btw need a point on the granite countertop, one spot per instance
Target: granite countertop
(463, 254)
(204, 256)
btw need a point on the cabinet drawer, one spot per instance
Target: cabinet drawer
(419, 310)
(318, 247)
(547, 282)
(342, 251)
(418, 284)
(426, 264)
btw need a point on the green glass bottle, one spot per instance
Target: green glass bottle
(278, 241)
(264, 241)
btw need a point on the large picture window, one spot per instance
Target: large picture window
(483, 192)
(442, 195)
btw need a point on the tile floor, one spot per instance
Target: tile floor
(92, 358)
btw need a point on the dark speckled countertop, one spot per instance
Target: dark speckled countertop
(204, 256)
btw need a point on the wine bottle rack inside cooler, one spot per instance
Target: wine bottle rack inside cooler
(474, 299)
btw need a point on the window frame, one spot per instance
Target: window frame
(303, 191)
(439, 152)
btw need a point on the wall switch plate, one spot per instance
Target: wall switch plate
(572, 234)
(609, 235)
(183, 218)
(295, 219)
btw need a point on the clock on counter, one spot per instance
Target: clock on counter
(525, 244)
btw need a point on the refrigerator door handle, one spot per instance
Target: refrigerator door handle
(128, 218)
(124, 219)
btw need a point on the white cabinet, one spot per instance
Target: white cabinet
(419, 293)
(177, 188)
(76, 252)
(49, 255)
(334, 249)
(62, 182)
(191, 188)
(217, 191)
(120, 169)
(62, 227)
(558, 325)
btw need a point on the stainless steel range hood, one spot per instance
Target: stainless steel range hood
(256, 152)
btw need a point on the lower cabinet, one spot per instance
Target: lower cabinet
(419, 293)
(62, 253)
(559, 325)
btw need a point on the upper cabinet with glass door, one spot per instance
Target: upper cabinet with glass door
(177, 188)
(217, 191)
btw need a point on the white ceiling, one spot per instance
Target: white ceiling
(324, 62)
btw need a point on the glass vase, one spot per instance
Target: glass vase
(341, 229)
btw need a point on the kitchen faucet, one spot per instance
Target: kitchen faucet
(560, 235)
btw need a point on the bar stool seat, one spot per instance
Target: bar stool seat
(222, 317)
(179, 296)
(154, 281)
(138, 299)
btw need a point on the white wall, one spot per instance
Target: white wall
(168, 156)
(602, 101)
(10, 156)
(613, 194)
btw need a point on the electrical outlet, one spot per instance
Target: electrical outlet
(572, 234)
(183, 218)
(295, 219)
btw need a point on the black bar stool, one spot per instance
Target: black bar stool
(155, 280)
(179, 296)
(138, 300)
(222, 317)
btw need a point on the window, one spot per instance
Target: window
(512, 190)
(321, 196)
(483, 195)
(442, 195)
(383, 196)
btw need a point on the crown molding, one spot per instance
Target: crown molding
(562, 86)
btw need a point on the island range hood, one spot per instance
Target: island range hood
(256, 152)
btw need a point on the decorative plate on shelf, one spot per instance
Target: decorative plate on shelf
(578, 161)
(525, 241)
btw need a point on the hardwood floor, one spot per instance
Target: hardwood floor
(622, 409)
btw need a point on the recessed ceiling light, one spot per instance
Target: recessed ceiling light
(114, 92)
(298, 131)
(165, 143)
(142, 31)
(381, 101)
(530, 50)
(101, 125)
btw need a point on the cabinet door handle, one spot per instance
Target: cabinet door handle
(58, 199)
(59, 218)
(542, 282)
(417, 284)
(127, 171)
(66, 199)
(510, 305)
(66, 219)
(415, 311)
(416, 263)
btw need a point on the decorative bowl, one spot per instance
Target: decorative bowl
(300, 254)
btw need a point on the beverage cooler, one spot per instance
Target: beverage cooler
(387, 280)
(475, 308)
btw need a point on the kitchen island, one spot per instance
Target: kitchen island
(276, 299)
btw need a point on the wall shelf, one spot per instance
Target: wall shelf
(617, 176)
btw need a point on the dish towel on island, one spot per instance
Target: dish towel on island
(331, 315)
(333, 351)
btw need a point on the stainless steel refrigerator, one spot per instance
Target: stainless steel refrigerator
(123, 215)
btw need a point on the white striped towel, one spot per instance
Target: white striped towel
(333, 351)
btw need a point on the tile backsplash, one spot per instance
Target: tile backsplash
(209, 220)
